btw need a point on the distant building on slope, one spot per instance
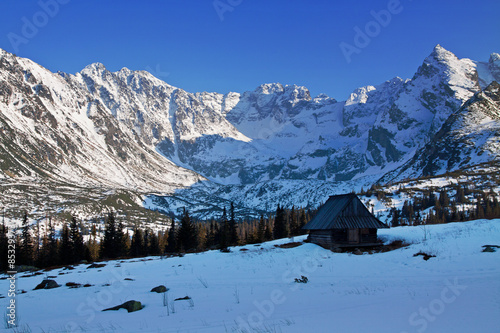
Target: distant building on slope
(344, 221)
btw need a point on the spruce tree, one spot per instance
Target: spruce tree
(211, 238)
(25, 256)
(48, 252)
(396, 217)
(233, 227)
(163, 242)
(3, 246)
(171, 238)
(479, 209)
(302, 221)
(261, 229)
(76, 241)
(65, 248)
(418, 218)
(444, 199)
(92, 243)
(280, 229)
(460, 196)
(268, 235)
(154, 246)
(201, 236)
(53, 256)
(109, 242)
(187, 237)
(224, 231)
(121, 240)
(294, 223)
(136, 247)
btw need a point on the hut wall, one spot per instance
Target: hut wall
(336, 237)
(369, 235)
(321, 237)
(339, 235)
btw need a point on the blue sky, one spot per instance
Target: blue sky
(244, 43)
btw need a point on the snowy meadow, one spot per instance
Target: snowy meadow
(272, 288)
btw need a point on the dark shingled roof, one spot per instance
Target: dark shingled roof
(344, 211)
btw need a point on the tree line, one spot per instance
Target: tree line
(435, 207)
(68, 246)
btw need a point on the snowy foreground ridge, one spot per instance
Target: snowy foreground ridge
(254, 290)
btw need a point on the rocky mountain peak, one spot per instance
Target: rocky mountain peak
(93, 69)
(126, 71)
(291, 92)
(3, 52)
(495, 59)
(439, 61)
(269, 88)
(359, 96)
(440, 53)
(494, 65)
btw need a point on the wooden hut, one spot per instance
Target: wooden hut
(344, 221)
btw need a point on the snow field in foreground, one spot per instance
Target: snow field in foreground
(254, 290)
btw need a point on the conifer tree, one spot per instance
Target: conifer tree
(76, 241)
(460, 196)
(479, 209)
(224, 231)
(109, 244)
(49, 255)
(211, 236)
(26, 247)
(154, 246)
(261, 230)
(396, 217)
(302, 220)
(172, 238)
(233, 227)
(53, 256)
(418, 218)
(280, 229)
(187, 237)
(136, 247)
(92, 243)
(163, 242)
(3, 246)
(444, 199)
(202, 235)
(294, 223)
(145, 242)
(121, 240)
(268, 234)
(65, 248)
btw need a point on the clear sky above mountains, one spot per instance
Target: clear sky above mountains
(236, 45)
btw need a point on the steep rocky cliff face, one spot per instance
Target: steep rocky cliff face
(469, 137)
(54, 127)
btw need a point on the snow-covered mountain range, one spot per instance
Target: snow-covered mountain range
(129, 130)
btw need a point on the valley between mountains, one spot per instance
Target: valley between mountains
(86, 142)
